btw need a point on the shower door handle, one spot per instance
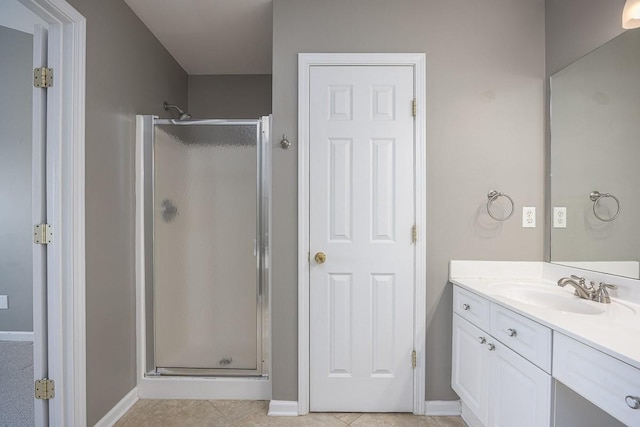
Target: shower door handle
(320, 257)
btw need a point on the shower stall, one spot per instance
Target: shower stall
(205, 245)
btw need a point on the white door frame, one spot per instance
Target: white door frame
(65, 210)
(305, 62)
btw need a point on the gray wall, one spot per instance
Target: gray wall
(485, 129)
(574, 28)
(128, 73)
(573, 410)
(16, 260)
(230, 96)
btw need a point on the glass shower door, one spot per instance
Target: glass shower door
(206, 247)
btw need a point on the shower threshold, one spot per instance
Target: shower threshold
(206, 372)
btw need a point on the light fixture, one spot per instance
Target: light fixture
(631, 14)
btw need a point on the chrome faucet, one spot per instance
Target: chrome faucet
(579, 284)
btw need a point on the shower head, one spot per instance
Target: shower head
(181, 114)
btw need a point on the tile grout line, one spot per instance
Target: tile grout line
(222, 414)
(334, 415)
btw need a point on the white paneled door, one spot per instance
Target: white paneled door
(361, 204)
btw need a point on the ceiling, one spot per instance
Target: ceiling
(212, 36)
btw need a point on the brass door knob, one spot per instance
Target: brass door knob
(320, 257)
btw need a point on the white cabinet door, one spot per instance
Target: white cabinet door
(520, 391)
(470, 377)
(499, 387)
(361, 214)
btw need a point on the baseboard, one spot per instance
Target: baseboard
(16, 336)
(283, 408)
(469, 418)
(119, 410)
(442, 408)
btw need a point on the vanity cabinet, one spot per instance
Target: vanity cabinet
(495, 378)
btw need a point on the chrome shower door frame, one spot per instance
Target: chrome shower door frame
(263, 271)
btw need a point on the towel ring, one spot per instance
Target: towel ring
(596, 196)
(493, 195)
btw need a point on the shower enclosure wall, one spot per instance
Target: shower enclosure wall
(206, 247)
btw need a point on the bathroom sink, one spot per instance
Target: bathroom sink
(547, 297)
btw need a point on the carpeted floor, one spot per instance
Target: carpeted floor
(16, 384)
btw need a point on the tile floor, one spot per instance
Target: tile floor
(169, 413)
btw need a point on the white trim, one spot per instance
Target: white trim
(66, 210)
(304, 66)
(420, 184)
(139, 251)
(119, 410)
(305, 61)
(39, 216)
(16, 336)
(436, 408)
(469, 417)
(283, 408)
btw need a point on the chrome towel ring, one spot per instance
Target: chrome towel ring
(493, 195)
(596, 196)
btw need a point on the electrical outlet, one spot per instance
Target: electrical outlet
(559, 217)
(4, 302)
(529, 217)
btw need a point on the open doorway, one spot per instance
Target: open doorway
(23, 355)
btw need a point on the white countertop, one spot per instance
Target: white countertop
(615, 332)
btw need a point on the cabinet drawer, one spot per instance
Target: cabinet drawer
(471, 307)
(598, 377)
(526, 337)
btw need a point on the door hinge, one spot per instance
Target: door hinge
(414, 234)
(45, 389)
(43, 77)
(42, 234)
(415, 107)
(414, 359)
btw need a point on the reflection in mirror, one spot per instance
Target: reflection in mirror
(595, 150)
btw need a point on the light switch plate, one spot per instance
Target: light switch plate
(4, 302)
(528, 217)
(559, 217)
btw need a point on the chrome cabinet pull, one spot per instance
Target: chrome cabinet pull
(482, 340)
(491, 347)
(466, 307)
(512, 332)
(633, 402)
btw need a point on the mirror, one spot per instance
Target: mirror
(595, 147)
